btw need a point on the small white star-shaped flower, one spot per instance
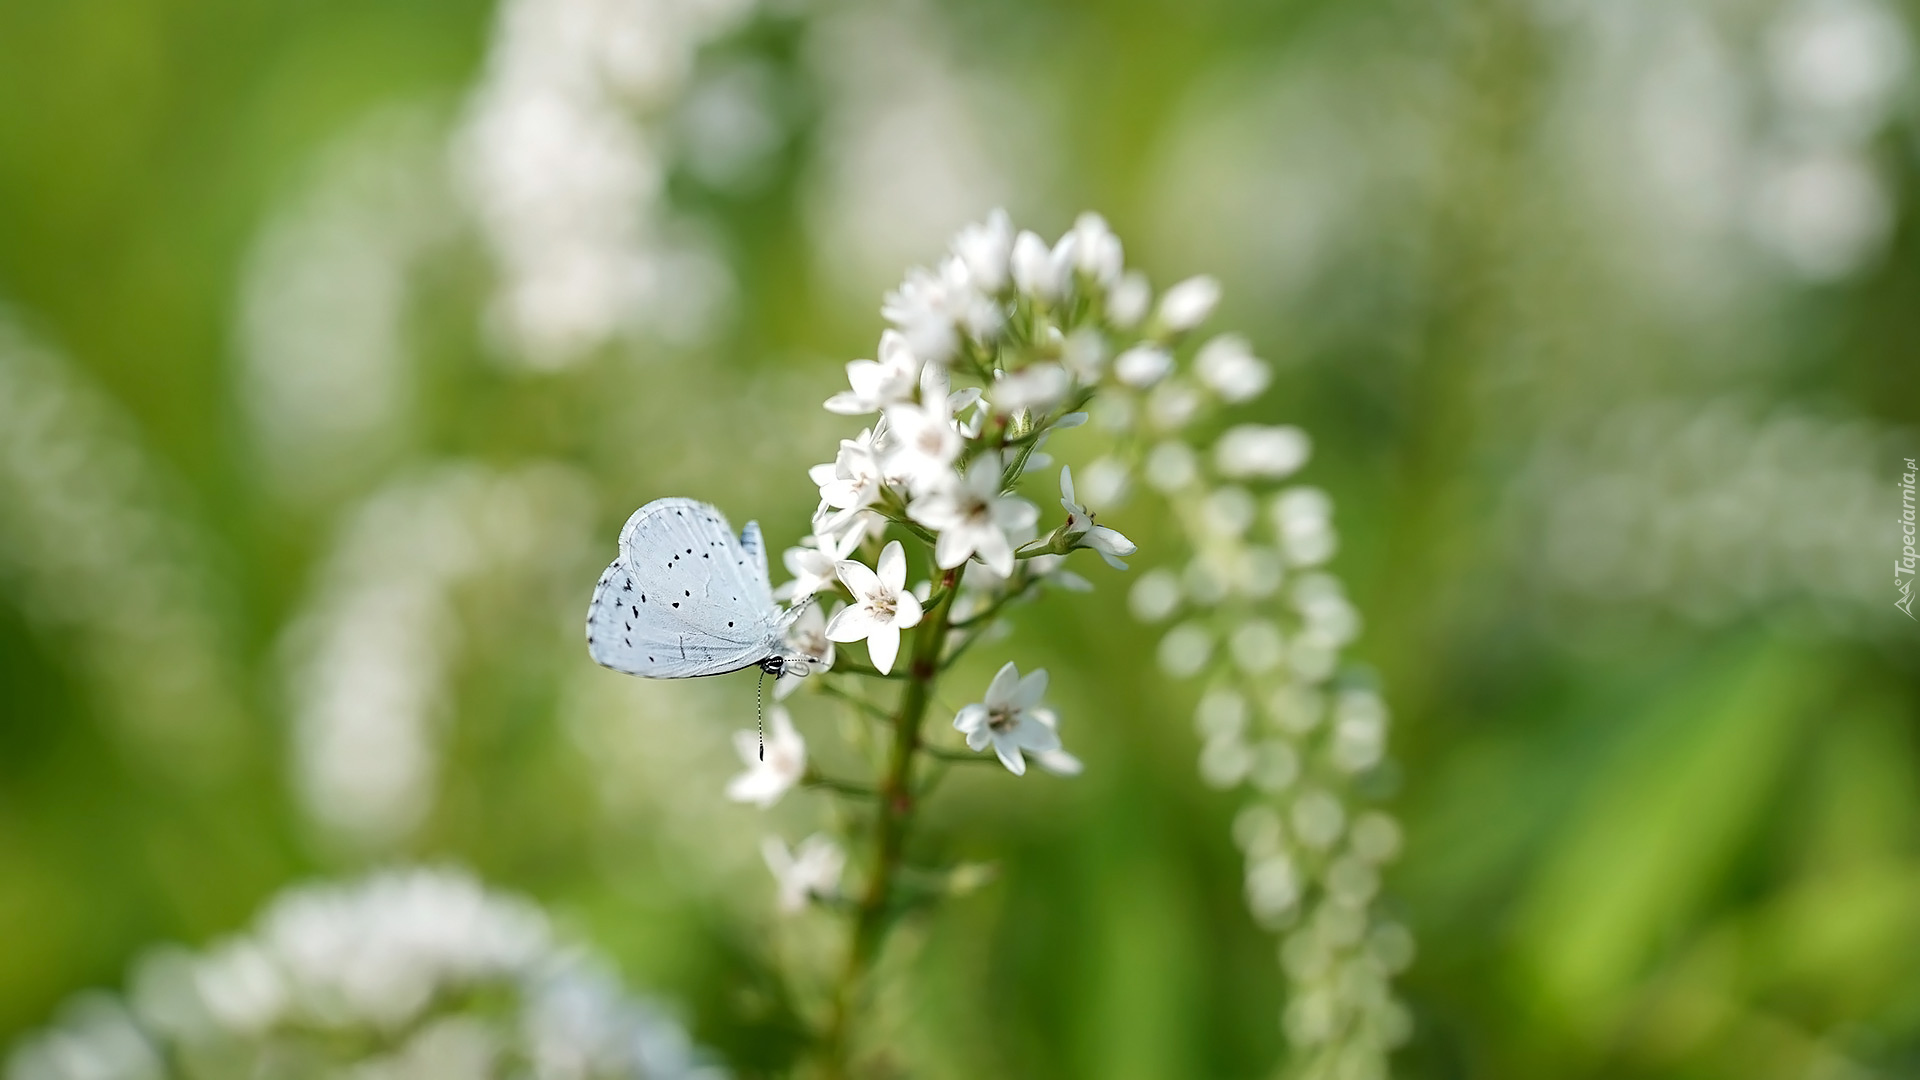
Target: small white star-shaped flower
(921, 308)
(809, 649)
(974, 518)
(933, 307)
(812, 869)
(881, 608)
(984, 248)
(852, 480)
(924, 441)
(1042, 273)
(1088, 534)
(766, 779)
(1012, 720)
(812, 563)
(876, 384)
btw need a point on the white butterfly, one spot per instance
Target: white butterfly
(685, 599)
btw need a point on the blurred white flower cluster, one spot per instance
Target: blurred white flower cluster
(1742, 126)
(369, 658)
(1257, 617)
(321, 326)
(1838, 70)
(1713, 510)
(408, 973)
(559, 156)
(96, 542)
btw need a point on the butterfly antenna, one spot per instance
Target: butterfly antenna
(759, 713)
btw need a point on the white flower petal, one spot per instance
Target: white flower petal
(883, 644)
(970, 718)
(1109, 541)
(907, 611)
(1030, 689)
(1010, 756)
(852, 624)
(1033, 735)
(953, 548)
(1059, 762)
(1005, 684)
(893, 566)
(860, 580)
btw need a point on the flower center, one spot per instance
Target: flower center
(1001, 719)
(882, 604)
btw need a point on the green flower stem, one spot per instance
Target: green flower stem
(976, 625)
(895, 816)
(866, 707)
(813, 779)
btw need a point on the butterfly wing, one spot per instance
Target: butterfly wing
(756, 549)
(682, 600)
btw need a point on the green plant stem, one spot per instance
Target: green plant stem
(813, 779)
(866, 707)
(895, 815)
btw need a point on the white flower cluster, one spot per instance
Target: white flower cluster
(408, 973)
(990, 352)
(560, 157)
(1253, 610)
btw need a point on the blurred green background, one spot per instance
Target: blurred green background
(336, 340)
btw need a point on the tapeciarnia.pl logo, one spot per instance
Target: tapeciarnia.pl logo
(1903, 567)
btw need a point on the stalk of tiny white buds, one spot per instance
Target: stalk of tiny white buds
(1005, 341)
(1258, 618)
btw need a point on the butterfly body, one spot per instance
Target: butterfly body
(687, 598)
